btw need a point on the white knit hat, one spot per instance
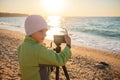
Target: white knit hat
(34, 23)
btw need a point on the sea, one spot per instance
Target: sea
(101, 33)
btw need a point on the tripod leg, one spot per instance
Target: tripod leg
(57, 73)
(66, 73)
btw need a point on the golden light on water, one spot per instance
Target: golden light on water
(54, 22)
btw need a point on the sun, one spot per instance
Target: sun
(53, 6)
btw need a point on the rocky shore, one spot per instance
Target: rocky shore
(85, 63)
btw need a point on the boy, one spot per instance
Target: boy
(34, 58)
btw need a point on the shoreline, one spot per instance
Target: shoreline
(82, 65)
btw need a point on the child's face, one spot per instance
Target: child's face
(39, 35)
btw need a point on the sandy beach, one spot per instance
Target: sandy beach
(85, 63)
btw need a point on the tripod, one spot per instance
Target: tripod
(58, 49)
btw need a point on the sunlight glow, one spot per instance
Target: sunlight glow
(54, 21)
(53, 6)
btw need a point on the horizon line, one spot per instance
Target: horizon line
(56, 15)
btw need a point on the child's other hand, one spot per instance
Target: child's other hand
(68, 40)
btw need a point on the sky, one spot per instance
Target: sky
(62, 7)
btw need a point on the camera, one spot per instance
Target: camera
(60, 38)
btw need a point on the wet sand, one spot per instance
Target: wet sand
(85, 63)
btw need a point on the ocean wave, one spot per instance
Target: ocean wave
(9, 24)
(103, 32)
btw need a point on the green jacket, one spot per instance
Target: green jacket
(31, 54)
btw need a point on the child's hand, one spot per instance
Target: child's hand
(68, 40)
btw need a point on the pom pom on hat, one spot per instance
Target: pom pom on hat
(34, 23)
